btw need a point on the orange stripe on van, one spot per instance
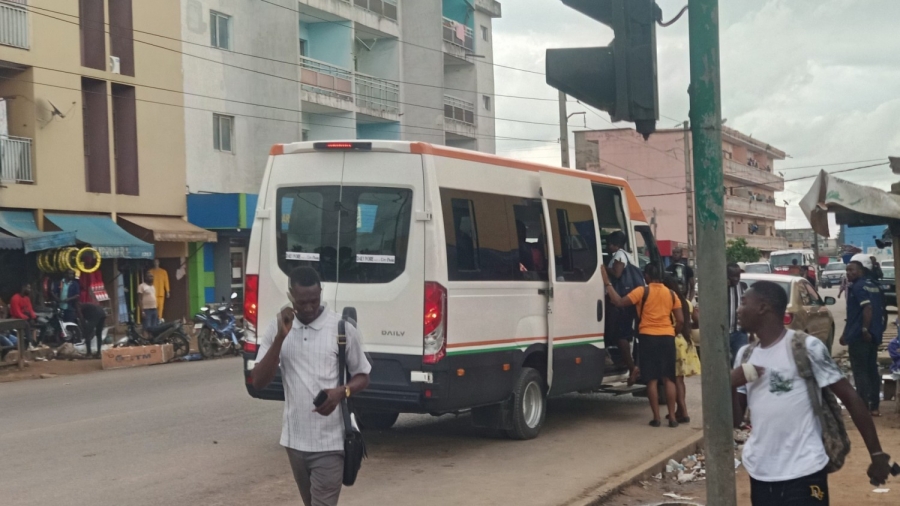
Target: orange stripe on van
(277, 149)
(521, 339)
(422, 148)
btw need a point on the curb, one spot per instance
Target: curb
(596, 495)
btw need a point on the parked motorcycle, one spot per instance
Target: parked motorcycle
(52, 330)
(218, 333)
(165, 333)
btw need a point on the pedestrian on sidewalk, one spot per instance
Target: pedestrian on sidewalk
(93, 319)
(682, 272)
(656, 306)
(147, 300)
(620, 321)
(785, 455)
(864, 330)
(303, 339)
(687, 361)
(66, 294)
(737, 337)
(20, 307)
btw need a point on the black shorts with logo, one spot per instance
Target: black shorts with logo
(808, 490)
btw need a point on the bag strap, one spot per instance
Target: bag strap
(748, 351)
(342, 370)
(643, 303)
(804, 369)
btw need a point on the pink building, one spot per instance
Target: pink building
(656, 171)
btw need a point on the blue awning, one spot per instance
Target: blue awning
(22, 225)
(102, 233)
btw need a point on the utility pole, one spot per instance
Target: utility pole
(706, 129)
(689, 192)
(563, 130)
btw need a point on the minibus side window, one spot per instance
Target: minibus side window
(492, 237)
(610, 215)
(574, 241)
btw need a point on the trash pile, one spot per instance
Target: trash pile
(693, 467)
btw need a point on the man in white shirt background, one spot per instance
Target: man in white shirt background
(785, 455)
(303, 339)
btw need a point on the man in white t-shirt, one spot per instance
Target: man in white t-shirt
(785, 456)
(620, 321)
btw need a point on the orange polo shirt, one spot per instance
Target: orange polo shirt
(656, 319)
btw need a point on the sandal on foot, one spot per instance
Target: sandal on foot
(655, 423)
(673, 423)
(684, 419)
(633, 377)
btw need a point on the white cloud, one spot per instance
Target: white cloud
(816, 78)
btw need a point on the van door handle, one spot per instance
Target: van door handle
(600, 310)
(546, 292)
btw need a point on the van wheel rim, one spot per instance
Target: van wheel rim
(532, 405)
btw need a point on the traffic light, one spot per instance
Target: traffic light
(620, 78)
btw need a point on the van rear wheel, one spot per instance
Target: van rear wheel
(529, 405)
(376, 420)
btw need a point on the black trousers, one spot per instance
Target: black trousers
(808, 490)
(864, 364)
(93, 327)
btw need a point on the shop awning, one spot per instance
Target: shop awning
(851, 203)
(10, 242)
(171, 229)
(21, 224)
(103, 233)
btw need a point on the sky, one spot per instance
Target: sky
(818, 79)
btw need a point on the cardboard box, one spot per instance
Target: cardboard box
(134, 356)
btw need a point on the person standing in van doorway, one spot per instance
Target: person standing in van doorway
(683, 272)
(303, 339)
(656, 305)
(620, 321)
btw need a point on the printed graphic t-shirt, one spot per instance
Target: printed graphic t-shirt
(786, 440)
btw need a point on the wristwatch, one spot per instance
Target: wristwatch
(347, 392)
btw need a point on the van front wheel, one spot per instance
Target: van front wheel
(377, 420)
(529, 405)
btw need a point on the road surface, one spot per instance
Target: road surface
(188, 434)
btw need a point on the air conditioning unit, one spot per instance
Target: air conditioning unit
(114, 66)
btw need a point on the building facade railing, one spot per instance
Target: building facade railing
(762, 242)
(377, 94)
(753, 175)
(754, 208)
(15, 159)
(14, 23)
(459, 34)
(459, 110)
(321, 77)
(386, 8)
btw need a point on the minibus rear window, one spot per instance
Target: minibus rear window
(353, 234)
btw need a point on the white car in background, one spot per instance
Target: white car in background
(833, 274)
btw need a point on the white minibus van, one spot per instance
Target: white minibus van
(475, 278)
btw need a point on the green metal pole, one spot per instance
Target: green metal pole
(706, 131)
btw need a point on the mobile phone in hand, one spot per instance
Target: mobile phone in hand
(320, 399)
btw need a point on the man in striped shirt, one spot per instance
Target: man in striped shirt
(303, 338)
(737, 338)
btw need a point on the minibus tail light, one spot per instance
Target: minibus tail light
(343, 146)
(435, 329)
(251, 299)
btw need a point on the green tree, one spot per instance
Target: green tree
(737, 250)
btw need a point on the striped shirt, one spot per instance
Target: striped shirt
(309, 363)
(735, 294)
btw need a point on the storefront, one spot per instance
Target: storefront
(19, 250)
(217, 270)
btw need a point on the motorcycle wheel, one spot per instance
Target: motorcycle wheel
(181, 345)
(205, 343)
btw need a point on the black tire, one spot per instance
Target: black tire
(377, 421)
(180, 344)
(529, 405)
(205, 344)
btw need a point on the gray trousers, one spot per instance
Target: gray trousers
(319, 476)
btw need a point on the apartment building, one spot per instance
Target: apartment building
(805, 238)
(92, 139)
(260, 73)
(657, 171)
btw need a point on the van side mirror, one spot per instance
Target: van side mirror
(830, 301)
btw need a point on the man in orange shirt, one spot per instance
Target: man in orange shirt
(656, 307)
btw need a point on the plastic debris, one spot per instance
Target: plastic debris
(737, 463)
(677, 497)
(673, 466)
(881, 490)
(685, 478)
(657, 477)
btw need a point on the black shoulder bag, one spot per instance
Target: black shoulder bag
(354, 446)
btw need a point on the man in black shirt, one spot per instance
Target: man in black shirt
(682, 272)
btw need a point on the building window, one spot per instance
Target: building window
(92, 21)
(304, 47)
(223, 133)
(220, 30)
(95, 110)
(484, 33)
(487, 102)
(304, 135)
(121, 35)
(125, 139)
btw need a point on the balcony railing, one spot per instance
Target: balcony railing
(753, 175)
(15, 159)
(377, 94)
(459, 34)
(456, 109)
(14, 24)
(754, 208)
(321, 77)
(386, 8)
(762, 242)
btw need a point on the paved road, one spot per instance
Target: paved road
(187, 433)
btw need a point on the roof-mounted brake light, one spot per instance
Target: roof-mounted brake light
(343, 146)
